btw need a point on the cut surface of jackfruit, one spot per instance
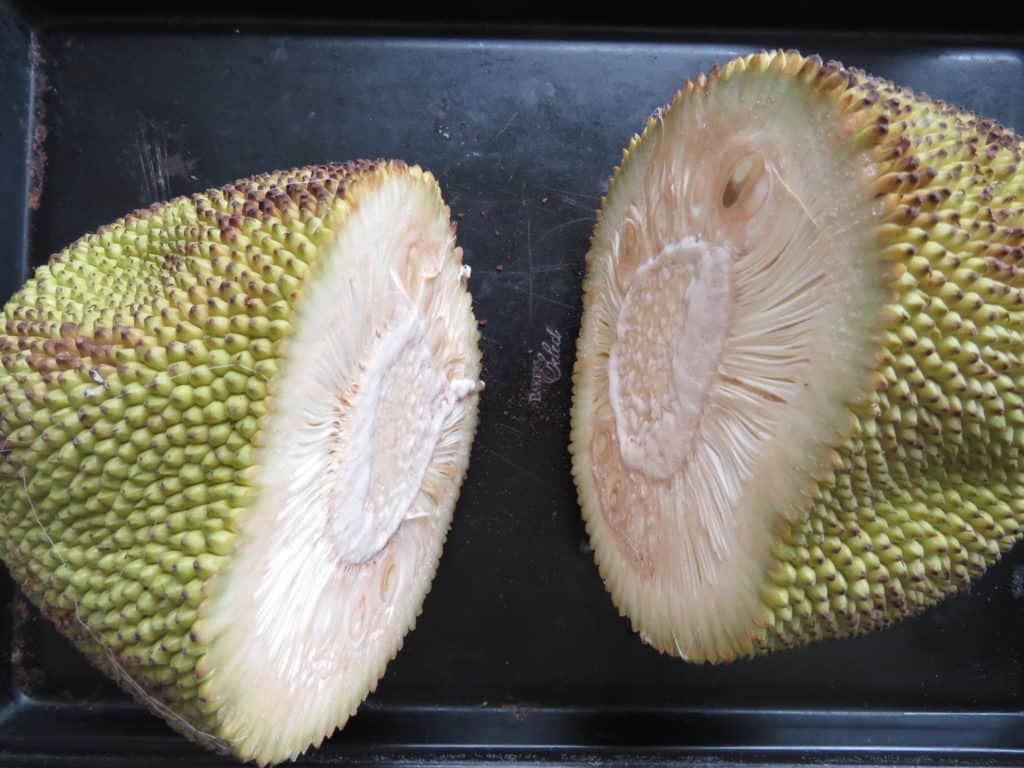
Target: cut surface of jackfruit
(234, 428)
(797, 393)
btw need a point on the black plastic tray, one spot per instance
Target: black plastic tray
(519, 653)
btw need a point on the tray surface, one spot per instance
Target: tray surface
(519, 651)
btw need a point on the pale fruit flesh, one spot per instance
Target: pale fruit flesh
(362, 462)
(361, 465)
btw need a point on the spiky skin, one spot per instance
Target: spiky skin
(138, 369)
(923, 488)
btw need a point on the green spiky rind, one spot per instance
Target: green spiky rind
(928, 489)
(136, 375)
(923, 490)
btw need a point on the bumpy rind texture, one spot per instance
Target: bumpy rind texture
(137, 372)
(925, 489)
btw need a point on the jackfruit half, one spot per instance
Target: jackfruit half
(233, 428)
(797, 396)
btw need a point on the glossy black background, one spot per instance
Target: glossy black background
(519, 652)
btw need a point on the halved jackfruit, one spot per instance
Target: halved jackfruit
(233, 428)
(797, 397)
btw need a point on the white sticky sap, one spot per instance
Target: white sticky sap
(388, 432)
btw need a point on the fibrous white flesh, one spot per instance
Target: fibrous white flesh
(731, 314)
(360, 465)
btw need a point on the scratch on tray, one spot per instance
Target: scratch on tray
(504, 128)
(510, 428)
(582, 195)
(152, 155)
(539, 270)
(529, 266)
(539, 296)
(573, 203)
(511, 463)
(563, 225)
(572, 199)
(158, 165)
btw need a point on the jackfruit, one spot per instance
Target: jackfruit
(798, 391)
(233, 428)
